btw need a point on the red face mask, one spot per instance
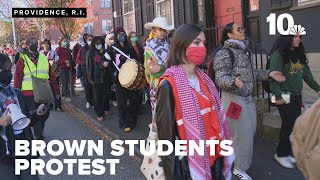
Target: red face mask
(196, 55)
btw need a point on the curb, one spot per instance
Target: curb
(101, 127)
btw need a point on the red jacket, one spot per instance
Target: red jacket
(18, 76)
(75, 50)
(64, 55)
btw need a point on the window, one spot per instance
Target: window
(307, 2)
(108, 4)
(106, 25)
(278, 4)
(128, 16)
(254, 5)
(90, 2)
(105, 3)
(164, 9)
(88, 28)
(201, 12)
(109, 25)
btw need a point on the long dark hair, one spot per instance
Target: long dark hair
(283, 45)
(94, 41)
(227, 29)
(3, 59)
(130, 36)
(181, 40)
(47, 41)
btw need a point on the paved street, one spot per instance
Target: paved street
(264, 166)
(63, 126)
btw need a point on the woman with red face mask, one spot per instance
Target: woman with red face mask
(188, 107)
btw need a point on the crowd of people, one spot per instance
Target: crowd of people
(184, 100)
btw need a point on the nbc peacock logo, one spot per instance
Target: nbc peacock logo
(297, 30)
(276, 24)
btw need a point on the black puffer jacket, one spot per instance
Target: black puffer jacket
(96, 72)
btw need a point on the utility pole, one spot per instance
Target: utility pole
(14, 32)
(13, 28)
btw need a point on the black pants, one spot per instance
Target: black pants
(65, 82)
(101, 98)
(30, 105)
(88, 90)
(288, 113)
(128, 115)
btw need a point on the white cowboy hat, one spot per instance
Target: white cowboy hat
(159, 22)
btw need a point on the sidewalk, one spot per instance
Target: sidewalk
(264, 166)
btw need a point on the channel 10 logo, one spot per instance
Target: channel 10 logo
(293, 29)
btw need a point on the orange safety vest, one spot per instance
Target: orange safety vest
(207, 111)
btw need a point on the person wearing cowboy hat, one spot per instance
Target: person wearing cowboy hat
(156, 52)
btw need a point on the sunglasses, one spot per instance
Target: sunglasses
(240, 29)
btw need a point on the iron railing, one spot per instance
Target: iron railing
(259, 57)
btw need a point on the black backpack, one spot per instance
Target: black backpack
(210, 70)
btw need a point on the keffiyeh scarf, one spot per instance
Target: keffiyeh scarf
(199, 165)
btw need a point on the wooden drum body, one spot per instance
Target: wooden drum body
(131, 75)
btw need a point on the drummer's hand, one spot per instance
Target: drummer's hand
(151, 63)
(155, 68)
(105, 64)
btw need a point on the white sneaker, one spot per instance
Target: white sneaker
(114, 103)
(284, 161)
(292, 159)
(88, 105)
(68, 99)
(242, 175)
(63, 98)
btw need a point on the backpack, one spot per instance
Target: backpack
(210, 70)
(305, 142)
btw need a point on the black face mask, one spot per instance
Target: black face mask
(33, 47)
(5, 77)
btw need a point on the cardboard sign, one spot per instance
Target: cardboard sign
(234, 111)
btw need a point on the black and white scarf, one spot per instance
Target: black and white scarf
(6, 92)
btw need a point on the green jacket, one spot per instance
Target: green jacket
(294, 79)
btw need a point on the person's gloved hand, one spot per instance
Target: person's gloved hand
(42, 110)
